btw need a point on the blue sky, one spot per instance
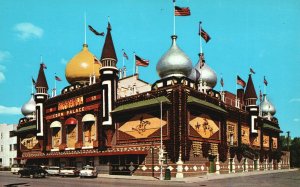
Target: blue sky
(262, 34)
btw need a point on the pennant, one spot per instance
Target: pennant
(203, 34)
(57, 78)
(182, 11)
(265, 81)
(141, 62)
(95, 32)
(222, 82)
(33, 81)
(44, 66)
(252, 71)
(125, 55)
(96, 61)
(240, 81)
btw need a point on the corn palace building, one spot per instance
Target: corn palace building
(126, 126)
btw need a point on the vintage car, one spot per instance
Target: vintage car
(32, 172)
(69, 171)
(53, 170)
(88, 171)
(16, 167)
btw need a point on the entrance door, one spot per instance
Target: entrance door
(212, 165)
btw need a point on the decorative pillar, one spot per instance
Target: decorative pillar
(246, 164)
(217, 165)
(272, 163)
(79, 142)
(233, 166)
(63, 144)
(179, 168)
(265, 164)
(258, 165)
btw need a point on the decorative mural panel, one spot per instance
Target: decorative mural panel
(30, 141)
(89, 133)
(274, 145)
(231, 130)
(142, 125)
(245, 135)
(56, 137)
(256, 140)
(71, 135)
(204, 126)
(266, 140)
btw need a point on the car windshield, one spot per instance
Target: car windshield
(88, 168)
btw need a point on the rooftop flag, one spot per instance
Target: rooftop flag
(252, 71)
(240, 81)
(141, 62)
(182, 11)
(125, 55)
(57, 78)
(222, 82)
(96, 32)
(265, 81)
(203, 34)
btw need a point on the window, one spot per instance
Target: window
(10, 147)
(1, 135)
(1, 148)
(15, 147)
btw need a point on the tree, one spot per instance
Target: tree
(295, 152)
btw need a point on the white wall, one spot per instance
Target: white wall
(6, 154)
(131, 85)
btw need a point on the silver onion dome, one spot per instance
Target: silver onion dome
(266, 106)
(193, 75)
(207, 75)
(174, 62)
(28, 108)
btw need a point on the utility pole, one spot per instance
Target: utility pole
(288, 140)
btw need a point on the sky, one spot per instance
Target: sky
(261, 34)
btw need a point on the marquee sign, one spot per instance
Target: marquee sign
(204, 126)
(29, 142)
(70, 103)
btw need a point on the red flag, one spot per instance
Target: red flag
(265, 81)
(182, 11)
(33, 81)
(96, 32)
(125, 55)
(222, 82)
(252, 71)
(240, 81)
(44, 66)
(96, 61)
(57, 78)
(141, 62)
(203, 34)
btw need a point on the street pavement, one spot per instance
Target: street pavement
(275, 178)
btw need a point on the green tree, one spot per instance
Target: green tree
(295, 152)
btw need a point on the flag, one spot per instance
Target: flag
(252, 71)
(265, 81)
(96, 61)
(182, 11)
(33, 81)
(44, 66)
(125, 55)
(57, 78)
(96, 32)
(141, 62)
(203, 34)
(260, 95)
(240, 81)
(222, 82)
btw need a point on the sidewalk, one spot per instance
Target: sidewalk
(198, 178)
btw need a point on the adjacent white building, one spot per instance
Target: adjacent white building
(8, 145)
(132, 85)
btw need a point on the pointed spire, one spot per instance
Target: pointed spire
(108, 51)
(250, 90)
(41, 81)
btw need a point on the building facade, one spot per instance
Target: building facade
(8, 145)
(127, 126)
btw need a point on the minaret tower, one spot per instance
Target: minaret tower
(40, 97)
(250, 99)
(108, 77)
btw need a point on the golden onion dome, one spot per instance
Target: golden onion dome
(82, 66)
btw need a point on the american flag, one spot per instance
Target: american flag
(240, 81)
(125, 55)
(182, 11)
(141, 62)
(57, 78)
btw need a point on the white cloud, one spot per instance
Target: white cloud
(296, 119)
(4, 55)
(63, 61)
(294, 100)
(2, 77)
(9, 110)
(28, 30)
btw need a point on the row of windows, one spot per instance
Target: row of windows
(12, 147)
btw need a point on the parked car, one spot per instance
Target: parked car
(53, 170)
(88, 171)
(32, 172)
(69, 171)
(16, 167)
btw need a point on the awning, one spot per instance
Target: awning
(88, 117)
(55, 124)
(26, 128)
(141, 104)
(194, 100)
(71, 121)
(271, 127)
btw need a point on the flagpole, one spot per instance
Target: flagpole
(32, 87)
(221, 83)
(84, 27)
(123, 56)
(174, 33)
(236, 88)
(134, 63)
(200, 37)
(54, 85)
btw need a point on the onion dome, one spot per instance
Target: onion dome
(266, 106)
(194, 75)
(207, 74)
(28, 109)
(82, 66)
(174, 62)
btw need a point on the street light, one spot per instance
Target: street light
(161, 150)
